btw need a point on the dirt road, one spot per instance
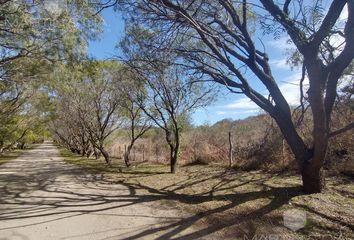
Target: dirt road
(42, 197)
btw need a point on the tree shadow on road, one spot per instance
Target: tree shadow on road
(59, 192)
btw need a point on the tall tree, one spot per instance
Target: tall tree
(214, 39)
(67, 128)
(169, 93)
(137, 121)
(25, 123)
(34, 36)
(88, 105)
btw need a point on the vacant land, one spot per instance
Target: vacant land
(233, 204)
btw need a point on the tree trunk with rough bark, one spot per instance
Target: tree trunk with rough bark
(127, 155)
(313, 180)
(230, 150)
(22, 145)
(309, 161)
(174, 148)
(96, 153)
(173, 159)
(106, 156)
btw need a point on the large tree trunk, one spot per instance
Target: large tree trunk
(74, 150)
(310, 161)
(174, 153)
(173, 159)
(89, 153)
(83, 152)
(1, 146)
(106, 156)
(22, 145)
(96, 153)
(313, 180)
(312, 176)
(127, 154)
(230, 150)
(86, 149)
(174, 148)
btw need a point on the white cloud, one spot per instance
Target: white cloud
(252, 111)
(279, 63)
(283, 43)
(290, 88)
(291, 92)
(221, 113)
(242, 103)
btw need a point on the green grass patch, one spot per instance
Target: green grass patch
(99, 165)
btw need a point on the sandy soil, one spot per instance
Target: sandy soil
(41, 197)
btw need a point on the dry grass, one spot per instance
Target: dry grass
(8, 156)
(227, 204)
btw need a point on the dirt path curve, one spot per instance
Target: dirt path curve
(42, 197)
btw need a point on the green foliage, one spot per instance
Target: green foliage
(38, 37)
(39, 29)
(87, 97)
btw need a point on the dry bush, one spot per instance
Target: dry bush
(199, 146)
(258, 144)
(265, 150)
(340, 157)
(151, 147)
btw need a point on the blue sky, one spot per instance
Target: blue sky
(113, 31)
(228, 105)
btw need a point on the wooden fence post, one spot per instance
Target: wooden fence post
(143, 153)
(157, 153)
(134, 152)
(230, 150)
(283, 149)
